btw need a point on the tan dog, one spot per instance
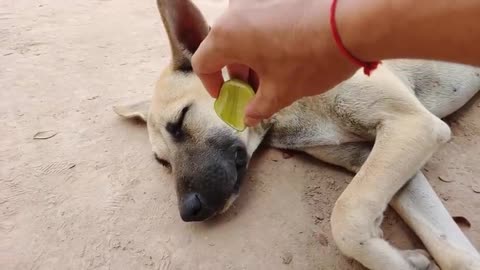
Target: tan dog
(384, 128)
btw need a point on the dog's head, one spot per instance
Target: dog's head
(206, 157)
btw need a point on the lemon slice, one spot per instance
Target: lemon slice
(231, 102)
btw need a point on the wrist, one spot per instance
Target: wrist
(364, 27)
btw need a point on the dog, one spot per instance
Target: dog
(383, 128)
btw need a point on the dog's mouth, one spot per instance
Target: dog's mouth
(229, 203)
(236, 186)
(241, 162)
(235, 193)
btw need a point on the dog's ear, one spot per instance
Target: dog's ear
(136, 110)
(186, 28)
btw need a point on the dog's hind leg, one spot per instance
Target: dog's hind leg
(423, 211)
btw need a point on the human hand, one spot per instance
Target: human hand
(283, 48)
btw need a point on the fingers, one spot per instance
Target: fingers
(207, 63)
(224, 46)
(214, 53)
(219, 49)
(244, 73)
(212, 82)
(266, 102)
(253, 79)
(238, 71)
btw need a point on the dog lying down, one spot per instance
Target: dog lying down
(384, 128)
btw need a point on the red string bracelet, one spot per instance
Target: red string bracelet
(368, 67)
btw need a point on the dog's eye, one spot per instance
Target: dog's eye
(163, 162)
(175, 128)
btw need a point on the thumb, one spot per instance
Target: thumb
(266, 102)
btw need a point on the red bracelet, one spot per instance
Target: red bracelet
(368, 67)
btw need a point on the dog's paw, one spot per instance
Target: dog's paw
(419, 259)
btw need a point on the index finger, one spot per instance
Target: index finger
(207, 63)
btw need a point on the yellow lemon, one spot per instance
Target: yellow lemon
(231, 102)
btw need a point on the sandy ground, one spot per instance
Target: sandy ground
(93, 197)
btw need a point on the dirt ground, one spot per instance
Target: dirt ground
(93, 197)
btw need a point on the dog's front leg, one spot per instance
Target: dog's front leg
(418, 205)
(403, 144)
(423, 211)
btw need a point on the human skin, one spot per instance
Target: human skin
(286, 51)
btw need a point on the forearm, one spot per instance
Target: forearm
(428, 29)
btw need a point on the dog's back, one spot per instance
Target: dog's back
(336, 117)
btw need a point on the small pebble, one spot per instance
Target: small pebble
(322, 239)
(444, 197)
(287, 258)
(446, 180)
(475, 187)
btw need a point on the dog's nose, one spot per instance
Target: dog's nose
(191, 207)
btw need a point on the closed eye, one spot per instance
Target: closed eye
(163, 162)
(175, 128)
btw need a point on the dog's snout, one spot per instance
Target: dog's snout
(191, 207)
(205, 188)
